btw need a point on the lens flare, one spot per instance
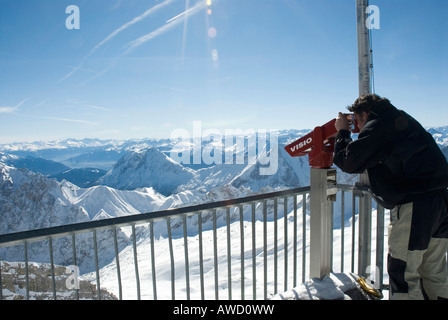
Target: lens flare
(215, 55)
(212, 32)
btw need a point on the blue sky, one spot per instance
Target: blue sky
(143, 68)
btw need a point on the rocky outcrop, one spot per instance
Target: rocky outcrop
(40, 283)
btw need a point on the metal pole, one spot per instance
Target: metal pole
(365, 201)
(242, 250)
(363, 47)
(229, 254)
(320, 222)
(365, 234)
(134, 246)
(117, 262)
(201, 256)
(187, 263)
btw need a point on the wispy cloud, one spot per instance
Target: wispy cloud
(69, 120)
(7, 109)
(98, 108)
(169, 25)
(116, 32)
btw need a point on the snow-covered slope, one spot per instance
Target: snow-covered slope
(82, 177)
(290, 173)
(102, 202)
(29, 200)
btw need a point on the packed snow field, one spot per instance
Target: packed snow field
(46, 184)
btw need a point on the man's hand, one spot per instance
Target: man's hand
(342, 122)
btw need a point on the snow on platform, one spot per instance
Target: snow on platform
(336, 286)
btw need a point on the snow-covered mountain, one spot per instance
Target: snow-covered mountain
(144, 164)
(145, 169)
(291, 173)
(35, 164)
(82, 177)
(30, 200)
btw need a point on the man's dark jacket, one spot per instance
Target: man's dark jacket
(401, 157)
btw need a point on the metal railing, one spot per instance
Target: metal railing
(247, 248)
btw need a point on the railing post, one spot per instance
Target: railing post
(365, 233)
(323, 187)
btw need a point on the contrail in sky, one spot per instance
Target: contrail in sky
(169, 25)
(12, 109)
(180, 14)
(117, 31)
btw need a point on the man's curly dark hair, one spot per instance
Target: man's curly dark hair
(371, 103)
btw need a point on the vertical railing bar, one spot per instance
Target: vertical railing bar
(285, 218)
(254, 255)
(75, 264)
(342, 229)
(25, 244)
(170, 242)
(229, 255)
(242, 251)
(380, 243)
(215, 255)
(53, 279)
(153, 261)
(353, 231)
(1, 284)
(97, 269)
(134, 245)
(275, 246)
(187, 263)
(117, 262)
(304, 237)
(365, 233)
(295, 242)
(331, 234)
(201, 256)
(265, 249)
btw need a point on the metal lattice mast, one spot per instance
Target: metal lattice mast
(365, 202)
(364, 54)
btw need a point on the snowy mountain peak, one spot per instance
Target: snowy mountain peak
(147, 168)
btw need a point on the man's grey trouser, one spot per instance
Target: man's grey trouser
(418, 244)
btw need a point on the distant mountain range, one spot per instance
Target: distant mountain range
(132, 164)
(39, 189)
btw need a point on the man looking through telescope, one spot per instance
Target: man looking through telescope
(409, 175)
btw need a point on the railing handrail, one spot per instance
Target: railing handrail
(11, 239)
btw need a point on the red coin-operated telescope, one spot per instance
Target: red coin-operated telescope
(319, 144)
